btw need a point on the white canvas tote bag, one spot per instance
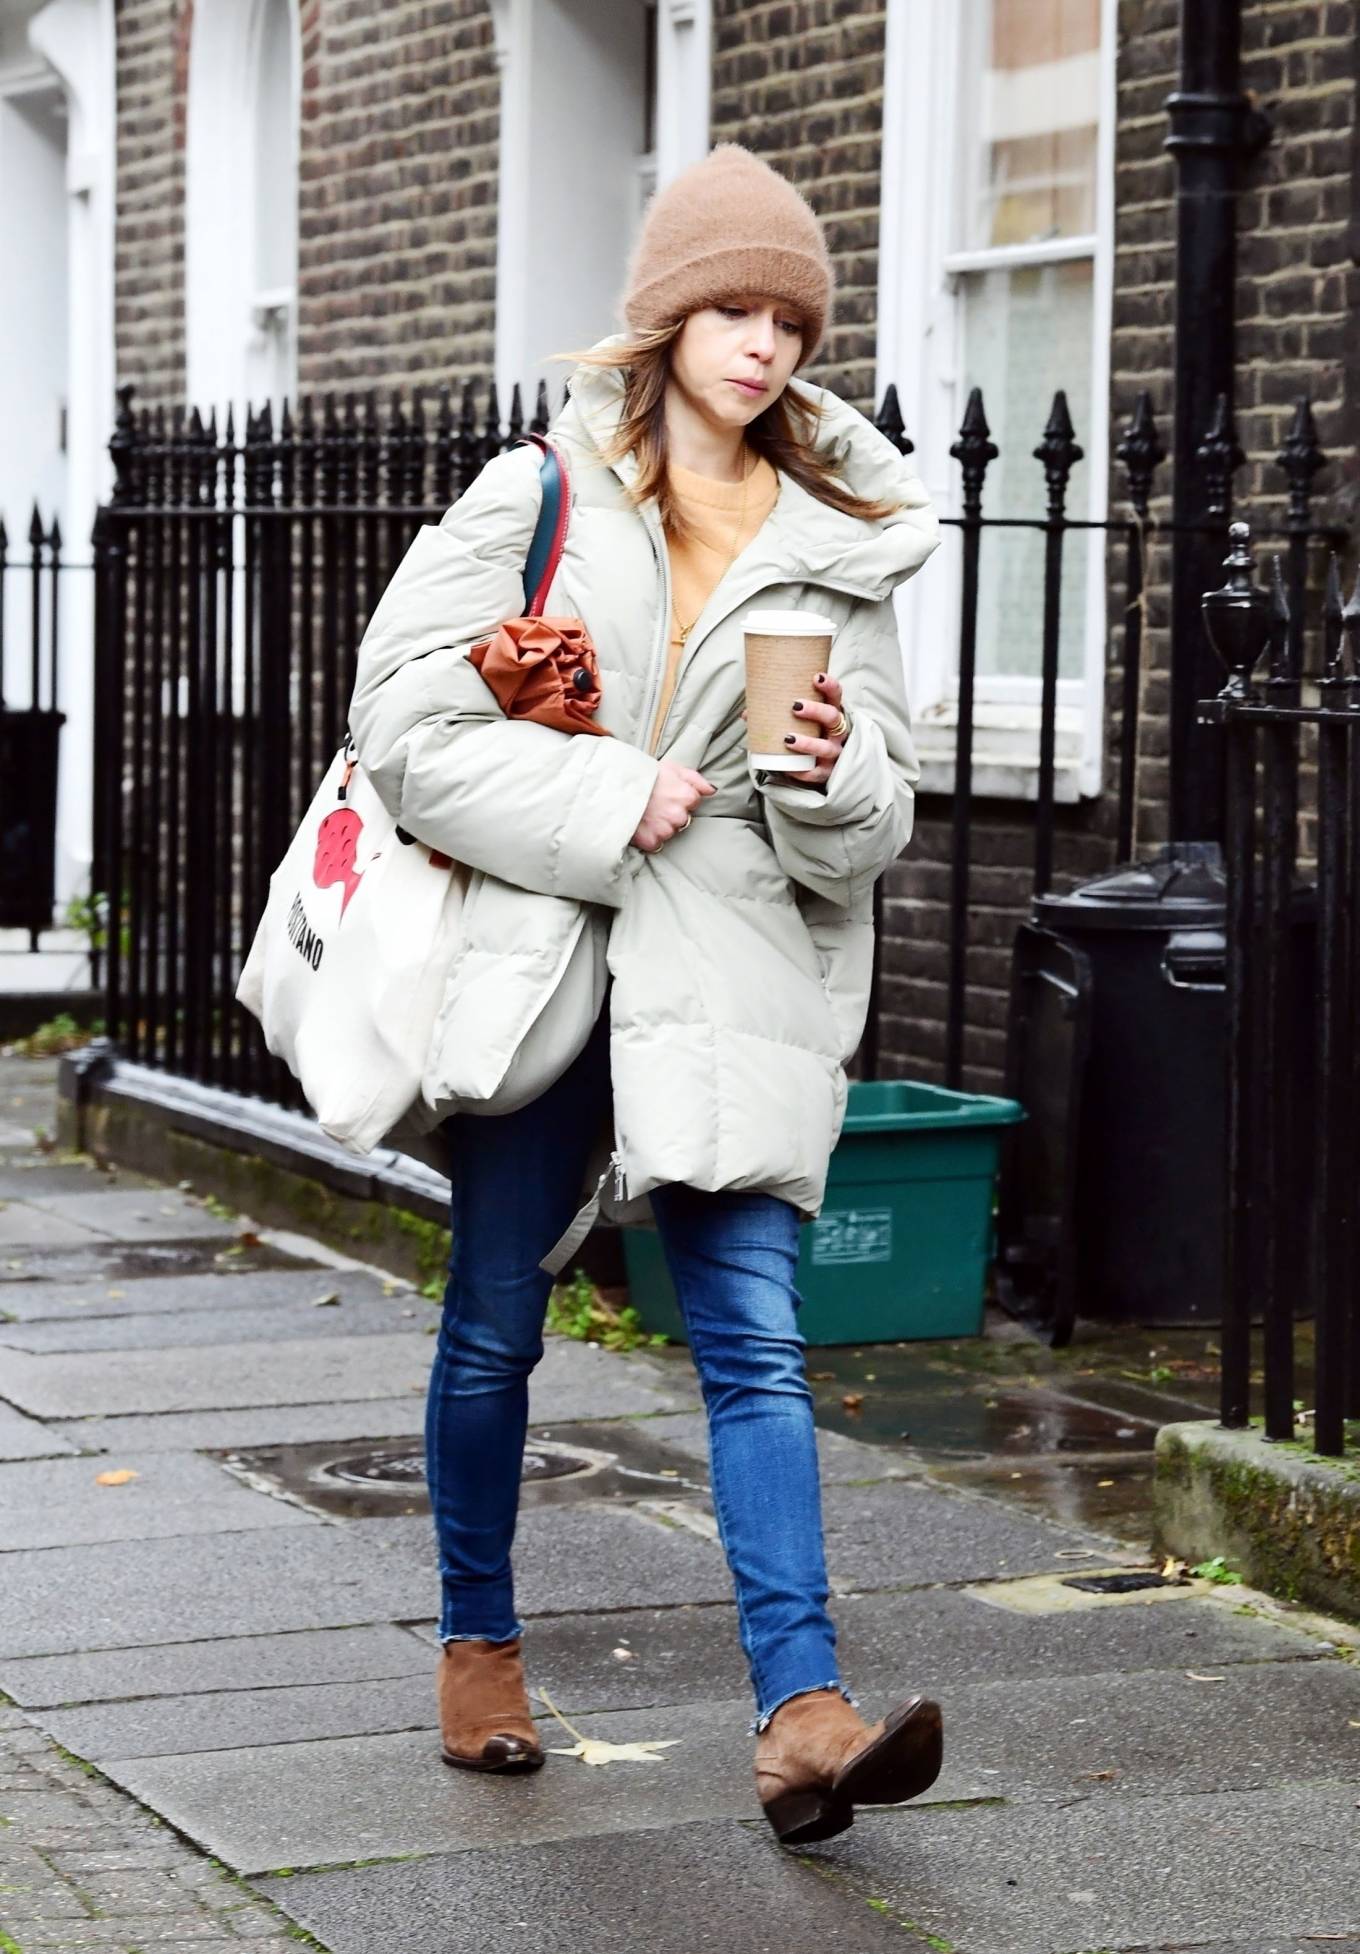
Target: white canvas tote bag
(347, 968)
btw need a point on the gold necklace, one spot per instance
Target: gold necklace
(685, 629)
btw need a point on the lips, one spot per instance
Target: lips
(750, 386)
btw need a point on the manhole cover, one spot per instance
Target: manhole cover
(363, 1478)
(404, 1466)
(1123, 1583)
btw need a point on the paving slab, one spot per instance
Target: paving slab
(301, 1370)
(935, 1639)
(109, 1261)
(170, 1726)
(25, 1226)
(1141, 1873)
(182, 1669)
(908, 1533)
(180, 1431)
(319, 1311)
(571, 1381)
(152, 1214)
(60, 1502)
(317, 1804)
(713, 1886)
(176, 1294)
(138, 1593)
(21, 1180)
(28, 1438)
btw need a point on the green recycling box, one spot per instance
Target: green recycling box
(901, 1247)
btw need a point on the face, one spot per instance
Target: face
(750, 339)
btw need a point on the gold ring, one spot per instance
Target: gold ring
(842, 726)
(685, 823)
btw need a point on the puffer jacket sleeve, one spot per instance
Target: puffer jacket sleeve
(838, 838)
(551, 812)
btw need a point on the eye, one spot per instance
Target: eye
(793, 325)
(730, 311)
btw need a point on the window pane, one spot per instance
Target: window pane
(1036, 84)
(1027, 332)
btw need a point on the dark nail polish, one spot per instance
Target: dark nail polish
(798, 705)
(821, 678)
(789, 738)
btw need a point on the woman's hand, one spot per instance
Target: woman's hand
(824, 712)
(676, 793)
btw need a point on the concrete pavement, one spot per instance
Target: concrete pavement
(218, 1665)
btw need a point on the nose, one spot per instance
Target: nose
(760, 335)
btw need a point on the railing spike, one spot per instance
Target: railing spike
(889, 421)
(36, 532)
(1301, 458)
(1221, 456)
(1141, 451)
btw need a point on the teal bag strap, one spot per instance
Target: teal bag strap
(550, 531)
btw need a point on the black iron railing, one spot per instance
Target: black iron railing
(235, 578)
(1292, 767)
(30, 724)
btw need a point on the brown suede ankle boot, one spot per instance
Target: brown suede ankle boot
(484, 1716)
(817, 1758)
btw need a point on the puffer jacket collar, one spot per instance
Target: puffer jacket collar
(802, 539)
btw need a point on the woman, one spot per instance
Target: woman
(721, 916)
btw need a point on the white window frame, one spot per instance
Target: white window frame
(227, 319)
(919, 351)
(681, 116)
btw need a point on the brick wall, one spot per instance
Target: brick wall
(397, 218)
(396, 199)
(149, 258)
(800, 82)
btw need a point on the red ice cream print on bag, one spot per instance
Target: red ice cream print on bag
(337, 844)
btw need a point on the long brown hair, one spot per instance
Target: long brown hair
(783, 432)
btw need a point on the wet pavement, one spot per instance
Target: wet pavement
(217, 1634)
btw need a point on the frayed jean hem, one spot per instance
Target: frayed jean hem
(759, 1722)
(514, 1635)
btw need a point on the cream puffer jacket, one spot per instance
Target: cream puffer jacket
(741, 953)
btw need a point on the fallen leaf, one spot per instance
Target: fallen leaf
(623, 1655)
(594, 1750)
(1104, 1482)
(1353, 1723)
(115, 1295)
(853, 1400)
(118, 1478)
(249, 1239)
(1078, 1553)
(1097, 1777)
(1171, 1567)
(823, 1377)
(324, 1302)
(1204, 1679)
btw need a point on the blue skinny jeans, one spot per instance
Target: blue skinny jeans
(732, 1255)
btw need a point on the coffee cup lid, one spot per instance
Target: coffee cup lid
(788, 624)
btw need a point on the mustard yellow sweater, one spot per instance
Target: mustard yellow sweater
(712, 508)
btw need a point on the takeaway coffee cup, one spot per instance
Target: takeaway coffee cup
(785, 650)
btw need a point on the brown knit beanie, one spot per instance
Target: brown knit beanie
(725, 225)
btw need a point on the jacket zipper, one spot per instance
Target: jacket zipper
(693, 643)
